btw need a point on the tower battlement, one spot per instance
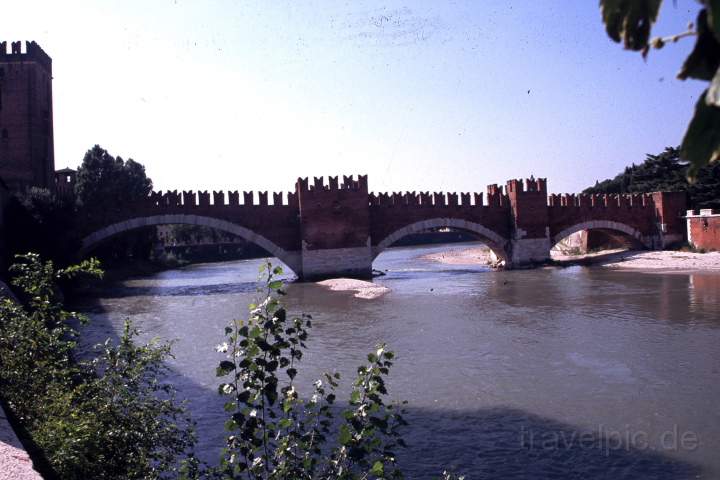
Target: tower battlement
(319, 185)
(531, 184)
(32, 52)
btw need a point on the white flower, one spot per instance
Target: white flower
(222, 348)
(318, 383)
(314, 398)
(258, 310)
(228, 389)
(253, 413)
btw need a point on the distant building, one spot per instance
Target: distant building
(26, 117)
(65, 182)
(703, 229)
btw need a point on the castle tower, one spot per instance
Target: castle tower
(335, 227)
(530, 240)
(26, 125)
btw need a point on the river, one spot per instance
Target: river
(547, 373)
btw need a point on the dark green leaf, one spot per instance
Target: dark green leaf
(713, 8)
(224, 368)
(345, 435)
(703, 61)
(701, 144)
(629, 21)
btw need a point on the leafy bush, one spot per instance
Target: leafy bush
(41, 221)
(106, 418)
(273, 433)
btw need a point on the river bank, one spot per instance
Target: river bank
(477, 255)
(15, 462)
(655, 260)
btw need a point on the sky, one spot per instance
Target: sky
(419, 95)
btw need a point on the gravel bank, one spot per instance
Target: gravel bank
(466, 256)
(656, 260)
(362, 289)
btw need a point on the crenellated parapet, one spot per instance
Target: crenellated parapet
(32, 52)
(495, 195)
(206, 199)
(426, 199)
(349, 183)
(703, 212)
(530, 185)
(600, 201)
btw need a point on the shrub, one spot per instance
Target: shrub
(275, 434)
(105, 418)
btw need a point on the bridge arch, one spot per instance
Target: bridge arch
(289, 258)
(631, 232)
(493, 240)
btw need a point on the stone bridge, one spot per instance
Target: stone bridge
(337, 229)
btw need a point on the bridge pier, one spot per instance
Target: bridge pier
(336, 262)
(530, 235)
(334, 228)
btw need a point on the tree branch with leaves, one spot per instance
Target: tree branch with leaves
(630, 22)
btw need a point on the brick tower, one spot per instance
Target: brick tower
(26, 125)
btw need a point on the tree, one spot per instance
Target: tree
(630, 22)
(666, 172)
(112, 416)
(105, 183)
(39, 220)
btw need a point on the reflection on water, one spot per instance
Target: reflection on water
(547, 373)
(705, 292)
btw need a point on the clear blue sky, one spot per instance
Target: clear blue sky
(419, 95)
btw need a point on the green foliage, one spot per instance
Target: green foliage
(630, 22)
(273, 433)
(193, 234)
(666, 172)
(110, 417)
(40, 221)
(105, 183)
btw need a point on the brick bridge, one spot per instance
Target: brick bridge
(337, 229)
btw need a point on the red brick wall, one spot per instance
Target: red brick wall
(704, 231)
(334, 215)
(529, 206)
(636, 211)
(26, 153)
(279, 222)
(390, 213)
(670, 209)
